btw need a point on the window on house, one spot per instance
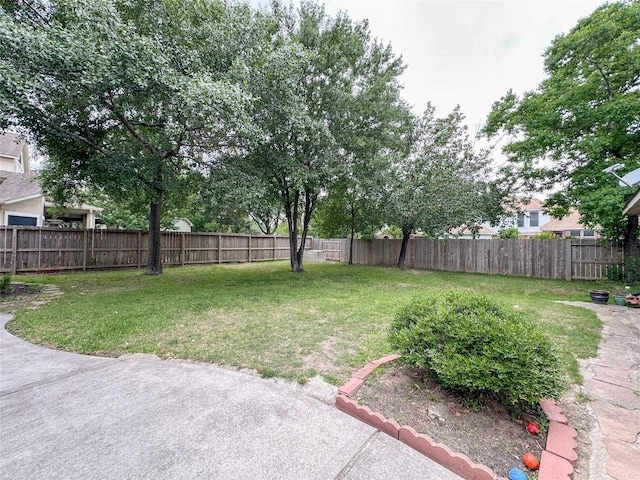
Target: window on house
(21, 220)
(521, 220)
(589, 233)
(534, 219)
(574, 233)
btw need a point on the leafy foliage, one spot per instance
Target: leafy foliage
(509, 233)
(545, 236)
(584, 117)
(323, 89)
(125, 96)
(5, 282)
(479, 347)
(442, 183)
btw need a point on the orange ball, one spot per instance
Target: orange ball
(530, 461)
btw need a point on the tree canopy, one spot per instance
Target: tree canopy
(584, 117)
(324, 89)
(126, 96)
(443, 183)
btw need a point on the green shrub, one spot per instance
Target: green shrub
(509, 233)
(632, 268)
(479, 347)
(5, 283)
(546, 236)
(614, 273)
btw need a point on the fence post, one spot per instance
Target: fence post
(139, 249)
(182, 250)
(275, 246)
(569, 260)
(14, 251)
(219, 248)
(84, 251)
(249, 255)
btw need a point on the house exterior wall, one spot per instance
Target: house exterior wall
(7, 164)
(29, 208)
(526, 229)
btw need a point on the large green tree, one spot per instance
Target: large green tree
(125, 95)
(310, 89)
(443, 183)
(583, 118)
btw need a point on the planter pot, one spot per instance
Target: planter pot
(599, 296)
(619, 300)
(633, 302)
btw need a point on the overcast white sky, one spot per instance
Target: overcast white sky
(467, 53)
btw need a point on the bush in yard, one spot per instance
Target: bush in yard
(5, 283)
(479, 347)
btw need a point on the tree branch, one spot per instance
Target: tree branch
(129, 126)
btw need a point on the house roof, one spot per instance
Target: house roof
(529, 204)
(570, 222)
(482, 230)
(11, 145)
(17, 186)
(633, 207)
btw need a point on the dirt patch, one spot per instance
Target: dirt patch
(490, 436)
(27, 295)
(321, 361)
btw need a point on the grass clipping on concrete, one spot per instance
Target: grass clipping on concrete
(330, 320)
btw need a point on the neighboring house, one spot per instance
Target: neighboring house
(484, 233)
(21, 198)
(531, 220)
(569, 226)
(633, 207)
(181, 225)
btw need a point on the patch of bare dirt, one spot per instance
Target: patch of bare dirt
(27, 295)
(490, 436)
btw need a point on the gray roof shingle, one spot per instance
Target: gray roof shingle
(15, 186)
(11, 145)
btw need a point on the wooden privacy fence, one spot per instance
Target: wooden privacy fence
(564, 259)
(52, 249)
(24, 249)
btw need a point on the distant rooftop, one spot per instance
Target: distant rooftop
(11, 145)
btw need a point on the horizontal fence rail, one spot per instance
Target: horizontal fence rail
(53, 249)
(564, 259)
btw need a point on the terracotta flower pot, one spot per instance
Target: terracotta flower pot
(632, 301)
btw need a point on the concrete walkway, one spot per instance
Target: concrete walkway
(69, 416)
(612, 380)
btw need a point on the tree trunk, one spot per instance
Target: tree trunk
(406, 234)
(309, 206)
(291, 210)
(154, 261)
(351, 242)
(353, 234)
(630, 243)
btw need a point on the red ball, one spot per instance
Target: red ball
(533, 428)
(530, 461)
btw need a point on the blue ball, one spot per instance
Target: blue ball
(517, 474)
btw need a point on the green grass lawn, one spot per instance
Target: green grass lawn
(329, 320)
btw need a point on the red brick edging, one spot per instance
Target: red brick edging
(556, 462)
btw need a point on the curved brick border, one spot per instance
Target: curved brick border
(556, 462)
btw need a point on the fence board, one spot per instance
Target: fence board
(556, 259)
(24, 249)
